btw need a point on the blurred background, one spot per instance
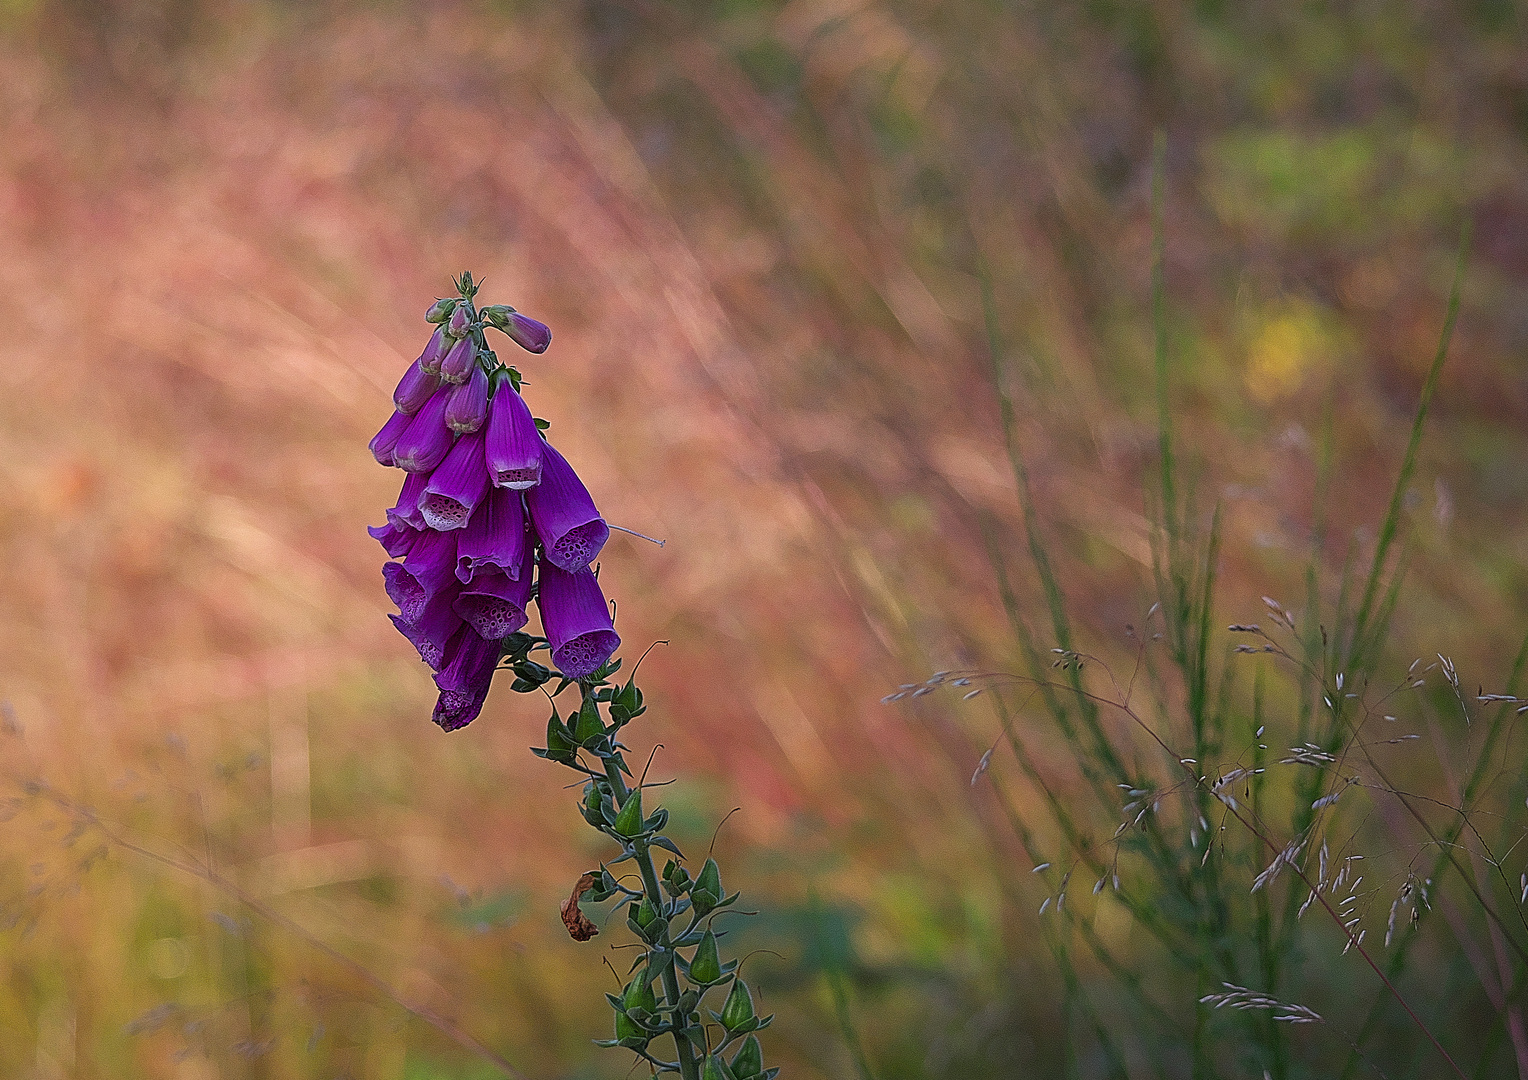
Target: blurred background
(792, 254)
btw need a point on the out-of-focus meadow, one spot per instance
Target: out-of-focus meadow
(779, 246)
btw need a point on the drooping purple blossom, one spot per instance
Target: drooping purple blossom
(459, 361)
(571, 529)
(576, 620)
(467, 408)
(527, 333)
(496, 538)
(514, 443)
(415, 388)
(456, 487)
(494, 604)
(427, 440)
(384, 443)
(464, 679)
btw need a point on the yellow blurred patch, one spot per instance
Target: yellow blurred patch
(1284, 349)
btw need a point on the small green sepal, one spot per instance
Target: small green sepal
(737, 1014)
(716, 1069)
(748, 1062)
(706, 968)
(628, 822)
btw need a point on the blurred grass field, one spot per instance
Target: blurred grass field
(772, 241)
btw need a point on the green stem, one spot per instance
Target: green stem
(689, 1068)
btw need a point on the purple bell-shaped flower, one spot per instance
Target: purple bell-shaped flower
(464, 679)
(514, 443)
(494, 604)
(576, 620)
(496, 538)
(456, 487)
(571, 529)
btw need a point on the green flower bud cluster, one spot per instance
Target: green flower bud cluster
(661, 1014)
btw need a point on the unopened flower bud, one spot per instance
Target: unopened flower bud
(435, 351)
(530, 335)
(385, 441)
(588, 727)
(441, 310)
(415, 388)
(706, 893)
(467, 408)
(427, 440)
(558, 748)
(461, 318)
(460, 361)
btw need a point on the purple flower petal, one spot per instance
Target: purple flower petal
(527, 333)
(495, 538)
(571, 529)
(385, 441)
(406, 513)
(464, 680)
(435, 351)
(395, 537)
(576, 620)
(404, 590)
(467, 408)
(427, 440)
(460, 361)
(414, 389)
(456, 487)
(433, 627)
(494, 605)
(514, 444)
(432, 561)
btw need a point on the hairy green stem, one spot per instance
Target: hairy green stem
(689, 1068)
